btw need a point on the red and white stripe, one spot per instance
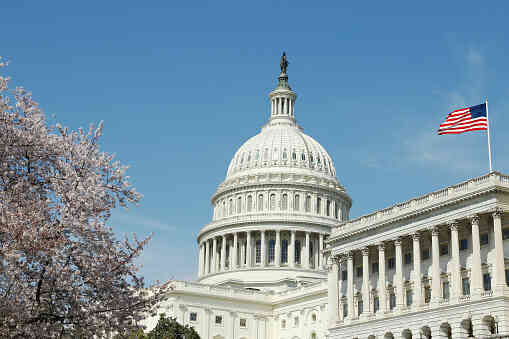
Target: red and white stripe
(460, 121)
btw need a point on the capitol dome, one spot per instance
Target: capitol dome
(275, 208)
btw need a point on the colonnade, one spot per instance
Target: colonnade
(282, 105)
(380, 297)
(261, 248)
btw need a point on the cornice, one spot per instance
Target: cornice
(493, 182)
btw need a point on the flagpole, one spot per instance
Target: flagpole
(489, 142)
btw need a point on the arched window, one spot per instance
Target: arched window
(284, 251)
(231, 206)
(249, 203)
(258, 251)
(296, 202)
(284, 202)
(318, 159)
(318, 205)
(239, 204)
(307, 206)
(303, 156)
(311, 157)
(272, 250)
(297, 251)
(294, 156)
(327, 208)
(272, 202)
(260, 202)
(224, 208)
(336, 210)
(249, 157)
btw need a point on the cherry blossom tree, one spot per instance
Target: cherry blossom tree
(63, 274)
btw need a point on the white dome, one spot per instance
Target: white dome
(281, 147)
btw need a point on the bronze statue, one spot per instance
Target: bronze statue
(284, 63)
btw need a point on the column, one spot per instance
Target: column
(207, 256)
(305, 257)
(263, 253)
(400, 293)
(200, 257)
(317, 253)
(291, 250)
(277, 249)
(417, 269)
(341, 261)
(499, 267)
(476, 273)
(349, 292)
(365, 281)
(214, 255)
(223, 253)
(280, 108)
(435, 270)
(320, 255)
(382, 289)
(333, 269)
(233, 255)
(242, 253)
(455, 256)
(248, 249)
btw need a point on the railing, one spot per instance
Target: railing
(492, 179)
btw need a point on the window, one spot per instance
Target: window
(297, 251)
(336, 210)
(505, 233)
(272, 202)
(283, 323)
(507, 277)
(272, 250)
(284, 251)
(239, 204)
(303, 156)
(296, 321)
(345, 310)
(311, 158)
(308, 204)
(266, 154)
(219, 320)
(313, 317)
(408, 258)
(359, 271)
(284, 202)
(257, 154)
(485, 239)
(260, 202)
(275, 154)
(374, 267)
(285, 155)
(486, 281)
(391, 263)
(249, 203)
(193, 316)
(296, 202)
(318, 206)
(224, 208)
(425, 254)
(392, 301)
(409, 297)
(427, 294)
(463, 244)
(445, 290)
(376, 304)
(249, 157)
(294, 156)
(258, 251)
(243, 323)
(327, 208)
(311, 251)
(360, 307)
(344, 275)
(444, 249)
(465, 286)
(231, 206)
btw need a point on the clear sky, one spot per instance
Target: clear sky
(181, 85)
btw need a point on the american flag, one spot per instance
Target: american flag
(473, 118)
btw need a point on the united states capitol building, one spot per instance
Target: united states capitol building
(282, 260)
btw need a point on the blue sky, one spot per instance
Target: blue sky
(181, 85)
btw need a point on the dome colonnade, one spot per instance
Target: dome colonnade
(276, 206)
